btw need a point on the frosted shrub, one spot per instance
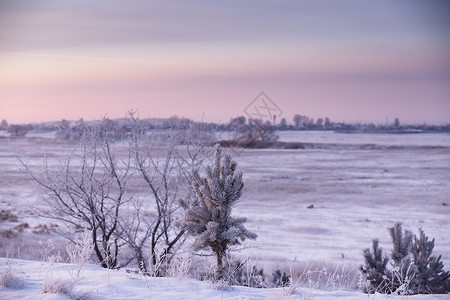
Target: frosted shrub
(414, 269)
(80, 253)
(430, 275)
(88, 190)
(374, 269)
(246, 274)
(47, 249)
(167, 179)
(280, 279)
(208, 217)
(58, 286)
(180, 266)
(402, 243)
(10, 280)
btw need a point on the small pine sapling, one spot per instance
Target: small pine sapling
(375, 269)
(246, 274)
(402, 243)
(403, 268)
(280, 279)
(430, 277)
(414, 270)
(208, 216)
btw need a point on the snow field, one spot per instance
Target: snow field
(354, 195)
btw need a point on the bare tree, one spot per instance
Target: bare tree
(265, 132)
(92, 189)
(89, 190)
(257, 131)
(163, 160)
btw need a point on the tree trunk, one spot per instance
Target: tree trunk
(141, 260)
(97, 250)
(220, 266)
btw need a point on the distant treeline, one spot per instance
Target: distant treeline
(71, 129)
(305, 123)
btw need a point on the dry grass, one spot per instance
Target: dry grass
(10, 280)
(28, 245)
(321, 275)
(58, 286)
(7, 215)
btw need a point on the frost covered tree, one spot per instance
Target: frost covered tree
(430, 276)
(414, 269)
(208, 216)
(402, 243)
(403, 268)
(374, 269)
(88, 190)
(162, 161)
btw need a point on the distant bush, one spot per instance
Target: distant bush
(17, 130)
(3, 125)
(414, 270)
(7, 215)
(68, 135)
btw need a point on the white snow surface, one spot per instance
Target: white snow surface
(381, 139)
(102, 284)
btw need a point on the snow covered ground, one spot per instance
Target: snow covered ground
(314, 207)
(385, 139)
(356, 196)
(94, 282)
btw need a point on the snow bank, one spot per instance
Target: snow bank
(97, 283)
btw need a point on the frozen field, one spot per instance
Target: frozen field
(383, 139)
(355, 195)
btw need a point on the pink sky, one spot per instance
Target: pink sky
(350, 61)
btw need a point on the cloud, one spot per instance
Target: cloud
(32, 25)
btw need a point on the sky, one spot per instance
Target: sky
(351, 61)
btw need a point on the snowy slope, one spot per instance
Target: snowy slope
(97, 283)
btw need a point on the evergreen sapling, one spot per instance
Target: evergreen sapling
(430, 277)
(403, 268)
(208, 216)
(374, 269)
(402, 243)
(414, 270)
